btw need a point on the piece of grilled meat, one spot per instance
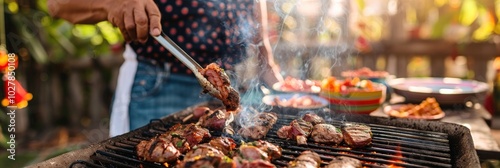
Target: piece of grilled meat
(313, 118)
(357, 135)
(344, 162)
(256, 154)
(244, 163)
(200, 111)
(184, 137)
(219, 79)
(223, 144)
(273, 151)
(326, 133)
(298, 130)
(157, 150)
(263, 123)
(306, 159)
(204, 155)
(214, 120)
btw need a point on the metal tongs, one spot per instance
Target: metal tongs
(188, 61)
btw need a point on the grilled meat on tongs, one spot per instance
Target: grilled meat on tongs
(263, 122)
(219, 79)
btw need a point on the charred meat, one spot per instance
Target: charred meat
(344, 162)
(307, 159)
(219, 79)
(357, 135)
(184, 137)
(223, 144)
(263, 123)
(252, 153)
(256, 154)
(298, 130)
(214, 120)
(313, 118)
(272, 150)
(204, 155)
(244, 163)
(157, 150)
(200, 111)
(326, 133)
(167, 147)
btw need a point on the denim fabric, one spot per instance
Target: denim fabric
(156, 93)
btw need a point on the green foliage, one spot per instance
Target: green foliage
(55, 40)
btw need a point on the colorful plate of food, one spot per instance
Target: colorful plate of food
(294, 85)
(427, 110)
(295, 100)
(445, 90)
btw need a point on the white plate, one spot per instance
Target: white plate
(269, 100)
(445, 90)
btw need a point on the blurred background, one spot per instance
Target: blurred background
(69, 71)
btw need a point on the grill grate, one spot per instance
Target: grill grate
(395, 146)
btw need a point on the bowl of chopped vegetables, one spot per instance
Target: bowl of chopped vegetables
(353, 95)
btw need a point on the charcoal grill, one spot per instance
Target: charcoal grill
(396, 143)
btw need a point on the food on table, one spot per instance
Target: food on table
(344, 162)
(298, 130)
(313, 118)
(356, 135)
(157, 150)
(296, 101)
(307, 159)
(219, 79)
(347, 85)
(365, 73)
(291, 84)
(326, 133)
(263, 122)
(427, 108)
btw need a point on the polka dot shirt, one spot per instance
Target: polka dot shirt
(208, 30)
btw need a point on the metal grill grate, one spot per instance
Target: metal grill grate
(391, 146)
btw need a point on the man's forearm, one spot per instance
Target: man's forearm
(79, 11)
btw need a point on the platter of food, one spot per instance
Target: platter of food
(294, 85)
(427, 110)
(295, 100)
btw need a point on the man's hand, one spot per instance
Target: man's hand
(136, 19)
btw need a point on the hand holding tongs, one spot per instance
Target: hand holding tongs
(188, 61)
